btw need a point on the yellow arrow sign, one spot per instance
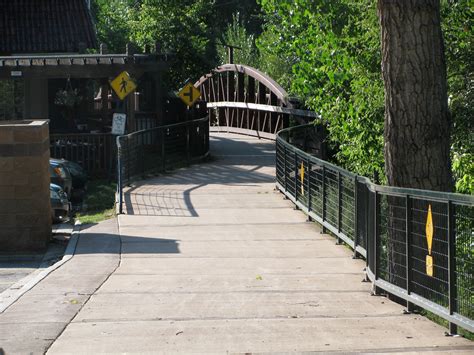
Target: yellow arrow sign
(302, 178)
(189, 94)
(123, 85)
(429, 229)
(429, 239)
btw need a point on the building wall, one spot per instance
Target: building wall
(36, 98)
(25, 208)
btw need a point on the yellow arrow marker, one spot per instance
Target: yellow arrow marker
(302, 178)
(429, 239)
(429, 229)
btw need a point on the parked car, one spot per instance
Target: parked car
(79, 179)
(60, 175)
(60, 206)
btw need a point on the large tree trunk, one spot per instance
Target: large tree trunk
(417, 124)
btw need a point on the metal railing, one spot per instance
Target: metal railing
(94, 152)
(158, 149)
(389, 227)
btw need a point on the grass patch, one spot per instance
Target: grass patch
(99, 202)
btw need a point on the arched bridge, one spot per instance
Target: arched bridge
(242, 99)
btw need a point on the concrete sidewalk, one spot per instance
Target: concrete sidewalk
(210, 259)
(213, 260)
(34, 321)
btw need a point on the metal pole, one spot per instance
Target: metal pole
(163, 156)
(339, 206)
(296, 177)
(356, 221)
(187, 145)
(376, 238)
(408, 263)
(453, 328)
(119, 175)
(323, 198)
(284, 168)
(308, 186)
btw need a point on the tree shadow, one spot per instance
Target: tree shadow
(234, 163)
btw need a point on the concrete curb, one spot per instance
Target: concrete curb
(14, 292)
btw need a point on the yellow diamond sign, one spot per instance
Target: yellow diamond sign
(429, 239)
(302, 177)
(123, 85)
(189, 94)
(429, 229)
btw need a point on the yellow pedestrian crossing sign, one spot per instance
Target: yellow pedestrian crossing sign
(123, 85)
(189, 94)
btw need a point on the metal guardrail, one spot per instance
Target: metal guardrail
(388, 227)
(158, 149)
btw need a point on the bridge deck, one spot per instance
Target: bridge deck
(214, 260)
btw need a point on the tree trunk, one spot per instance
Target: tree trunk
(417, 122)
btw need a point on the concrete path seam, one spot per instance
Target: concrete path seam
(13, 294)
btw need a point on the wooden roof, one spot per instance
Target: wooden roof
(45, 26)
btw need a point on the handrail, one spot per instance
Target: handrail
(387, 226)
(156, 149)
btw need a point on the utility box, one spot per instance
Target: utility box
(25, 208)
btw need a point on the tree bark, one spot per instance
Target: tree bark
(417, 121)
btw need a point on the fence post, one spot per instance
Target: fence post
(376, 239)
(339, 206)
(119, 175)
(408, 217)
(323, 198)
(356, 220)
(308, 186)
(453, 329)
(187, 144)
(284, 169)
(296, 177)
(163, 155)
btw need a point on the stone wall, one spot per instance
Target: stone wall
(25, 210)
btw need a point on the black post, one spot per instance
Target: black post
(453, 328)
(163, 155)
(308, 186)
(323, 198)
(187, 145)
(296, 178)
(408, 218)
(339, 206)
(356, 222)
(376, 239)
(284, 168)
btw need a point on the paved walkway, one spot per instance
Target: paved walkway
(211, 259)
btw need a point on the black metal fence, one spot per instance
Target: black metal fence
(419, 245)
(159, 149)
(94, 152)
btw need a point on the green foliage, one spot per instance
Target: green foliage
(333, 50)
(112, 19)
(457, 29)
(237, 35)
(99, 202)
(182, 28)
